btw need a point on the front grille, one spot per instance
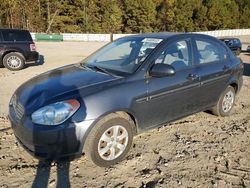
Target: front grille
(19, 110)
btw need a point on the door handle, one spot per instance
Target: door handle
(192, 77)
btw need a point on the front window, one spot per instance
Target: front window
(123, 55)
(177, 54)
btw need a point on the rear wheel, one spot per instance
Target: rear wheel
(225, 103)
(110, 140)
(14, 61)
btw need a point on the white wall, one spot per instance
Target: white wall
(86, 37)
(232, 32)
(106, 37)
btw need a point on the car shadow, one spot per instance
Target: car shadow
(246, 69)
(39, 62)
(43, 173)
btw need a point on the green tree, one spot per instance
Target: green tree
(183, 16)
(166, 16)
(69, 17)
(106, 16)
(245, 18)
(244, 9)
(111, 16)
(222, 14)
(199, 16)
(139, 15)
(176, 15)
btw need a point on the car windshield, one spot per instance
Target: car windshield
(122, 56)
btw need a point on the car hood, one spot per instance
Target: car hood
(54, 84)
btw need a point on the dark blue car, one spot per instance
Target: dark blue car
(129, 86)
(234, 44)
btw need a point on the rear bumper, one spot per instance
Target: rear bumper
(31, 56)
(50, 142)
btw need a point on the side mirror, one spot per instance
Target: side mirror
(161, 70)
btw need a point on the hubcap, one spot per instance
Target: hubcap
(14, 62)
(228, 101)
(113, 142)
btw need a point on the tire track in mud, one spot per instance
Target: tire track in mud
(229, 172)
(234, 176)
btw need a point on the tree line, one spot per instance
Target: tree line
(124, 16)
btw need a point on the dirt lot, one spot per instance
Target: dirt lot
(201, 150)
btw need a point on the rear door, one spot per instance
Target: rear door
(212, 64)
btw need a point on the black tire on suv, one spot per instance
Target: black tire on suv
(14, 61)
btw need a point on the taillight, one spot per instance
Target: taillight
(32, 47)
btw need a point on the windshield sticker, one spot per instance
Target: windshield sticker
(152, 40)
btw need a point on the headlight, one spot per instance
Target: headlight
(55, 114)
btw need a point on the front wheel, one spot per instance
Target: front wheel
(110, 140)
(225, 103)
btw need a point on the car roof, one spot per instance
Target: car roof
(229, 38)
(166, 35)
(162, 35)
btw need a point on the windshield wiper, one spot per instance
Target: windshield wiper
(100, 69)
(85, 66)
(97, 68)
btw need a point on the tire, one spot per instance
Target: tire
(14, 61)
(102, 148)
(225, 103)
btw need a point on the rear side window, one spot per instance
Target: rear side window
(210, 52)
(16, 36)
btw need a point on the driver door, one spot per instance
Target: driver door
(173, 96)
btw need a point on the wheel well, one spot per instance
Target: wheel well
(235, 86)
(14, 51)
(128, 116)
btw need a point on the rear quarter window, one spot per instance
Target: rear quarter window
(16, 36)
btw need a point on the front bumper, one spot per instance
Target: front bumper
(50, 142)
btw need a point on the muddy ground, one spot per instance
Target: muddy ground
(201, 150)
